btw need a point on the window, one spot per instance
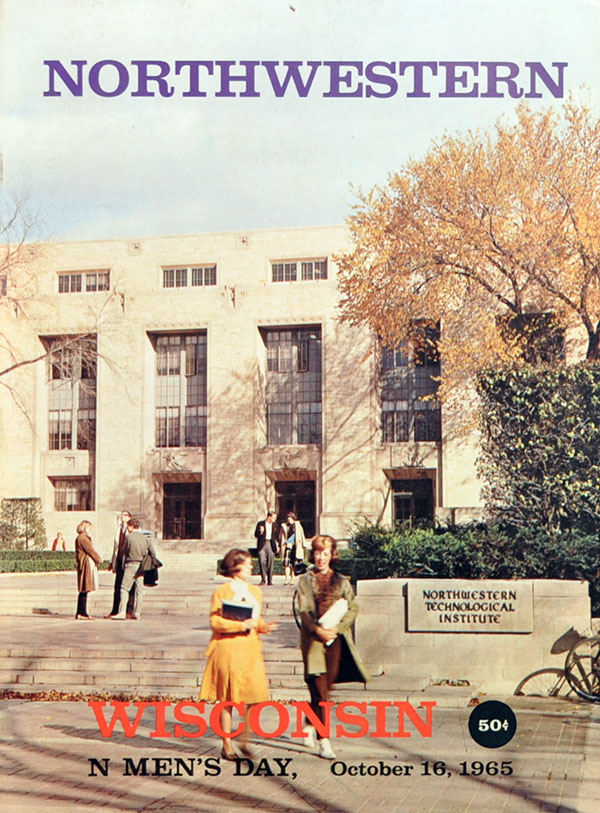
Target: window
(196, 276)
(309, 270)
(90, 282)
(74, 494)
(293, 385)
(409, 376)
(71, 392)
(180, 389)
(206, 275)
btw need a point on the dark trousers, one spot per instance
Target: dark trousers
(266, 559)
(319, 686)
(117, 594)
(82, 604)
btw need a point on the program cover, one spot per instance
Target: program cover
(181, 173)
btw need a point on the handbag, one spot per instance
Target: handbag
(300, 568)
(151, 577)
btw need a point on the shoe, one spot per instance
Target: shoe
(262, 582)
(325, 749)
(110, 615)
(119, 617)
(79, 617)
(310, 740)
(133, 617)
(228, 755)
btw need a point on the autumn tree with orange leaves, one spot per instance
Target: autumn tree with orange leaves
(486, 231)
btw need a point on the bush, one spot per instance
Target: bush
(540, 431)
(39, 561)
(475, 551)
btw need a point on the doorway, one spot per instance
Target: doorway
(182, 510)
(413, 500)
(299, 497)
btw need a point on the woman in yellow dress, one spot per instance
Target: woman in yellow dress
(235, 670)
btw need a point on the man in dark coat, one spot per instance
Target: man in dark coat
(266, 533)
(117, 564)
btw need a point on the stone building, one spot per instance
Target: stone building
(224, 383)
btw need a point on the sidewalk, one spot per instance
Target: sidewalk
(555, 757)
(46, 748)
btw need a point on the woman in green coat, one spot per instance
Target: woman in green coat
(328, 650)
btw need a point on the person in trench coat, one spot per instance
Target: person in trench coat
(329, 654)
(87, 574)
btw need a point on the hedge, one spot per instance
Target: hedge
(476, 551)
(39, 561)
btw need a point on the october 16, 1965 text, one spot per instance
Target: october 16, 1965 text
(282, 767)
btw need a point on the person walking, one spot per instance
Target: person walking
(87, 559)
(135, 549)
(235, 669)
(328, 651)
(266, 533)
(291, 545)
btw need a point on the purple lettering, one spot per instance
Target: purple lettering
(376, 78)
(94, 78)
(514, 91)
(417, 92)
(194, 75)
(226, 78)
(455, 76)
(556, 88)
(164, 89)
(75, 86)
(337, 78)
(293, 73)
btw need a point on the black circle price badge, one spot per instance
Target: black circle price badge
(492, 724)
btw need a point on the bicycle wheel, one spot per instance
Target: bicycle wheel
(549, 682)
(296, 610)
(583, 669)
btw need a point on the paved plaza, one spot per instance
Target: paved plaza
(47, 749)
(53, 754)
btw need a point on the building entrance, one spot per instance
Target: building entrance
(299, 497)
(182, 510)
(413, 500)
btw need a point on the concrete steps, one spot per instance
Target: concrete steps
(161, 600)
(177, 671)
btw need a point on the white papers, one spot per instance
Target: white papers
(333, 616)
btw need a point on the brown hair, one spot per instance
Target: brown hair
(323, 542)
(83, 526)
(232, 560)
(133, 523)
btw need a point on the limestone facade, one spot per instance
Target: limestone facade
(251, 444)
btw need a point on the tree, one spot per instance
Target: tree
(21, 524)
(487, 231)
(20, 260)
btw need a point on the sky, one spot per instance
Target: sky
(121, 166)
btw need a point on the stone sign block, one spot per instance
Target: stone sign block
(461, 605)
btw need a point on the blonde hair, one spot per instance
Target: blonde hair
(83, 526)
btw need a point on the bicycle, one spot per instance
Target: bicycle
(582, 668)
